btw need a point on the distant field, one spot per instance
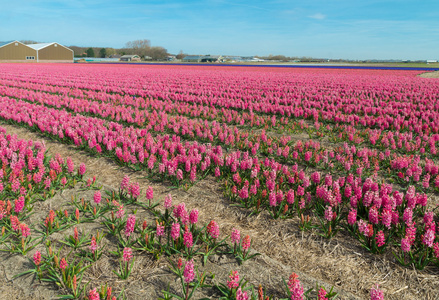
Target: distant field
(311, 64)
(396, 65)
(411, 65)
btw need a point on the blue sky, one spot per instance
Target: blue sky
(353, 29)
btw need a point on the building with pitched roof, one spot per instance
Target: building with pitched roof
(202, 58)
(130, 58)
(15, 51)
(52, 52)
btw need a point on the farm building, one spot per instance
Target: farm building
(211, 58)
(15, 51)
(130, 58)
(52, 52)
(203, 58)
(192, 58)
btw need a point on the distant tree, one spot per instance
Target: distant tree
(139, 47)
(29, 42)
(277, 57)
(78, 51)
(280, 58)
(157, 53)
(180, 55)
(138, 44)
(90, 52)
(110, 51)
(102, 52)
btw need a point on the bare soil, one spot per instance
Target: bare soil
(430, 75)
(339, 262)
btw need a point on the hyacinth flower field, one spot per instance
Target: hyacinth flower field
(204, 182)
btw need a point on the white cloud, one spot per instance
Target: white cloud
(318, 16)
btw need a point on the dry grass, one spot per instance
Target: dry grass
(430, 75)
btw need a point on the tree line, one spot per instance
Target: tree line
(146, 51)
(141, 48)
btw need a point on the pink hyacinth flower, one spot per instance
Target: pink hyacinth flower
(188, 239)
(246, 242)
(380, 239)
(160, 231)
(322, 294)
(125, 183)
(134, 190)
(127, 254)
(233, 281)
(240, 295)
(149, 193)
(295, 287)
(193, 216)
(376, 293)
(93, 246)
(37, 258)
(19, 205)
(213, 229)
(82, 169)
(188, 272)
(129, 227)
(168, 202)
(405, 245)
(235, 236)
(175, 231)
(25, 230)
(97, 197)
(93, 295)
(63, 264)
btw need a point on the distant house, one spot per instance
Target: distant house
(192, 58)
(429, 61)
(257, 59)
(251, 59)
(232, 58)
(130, 58)
(211, 58)
(203, 58)
(41, 52)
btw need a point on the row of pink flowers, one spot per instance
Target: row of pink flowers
(271, 146)
(222, 114)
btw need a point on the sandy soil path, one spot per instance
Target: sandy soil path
(430, 75)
